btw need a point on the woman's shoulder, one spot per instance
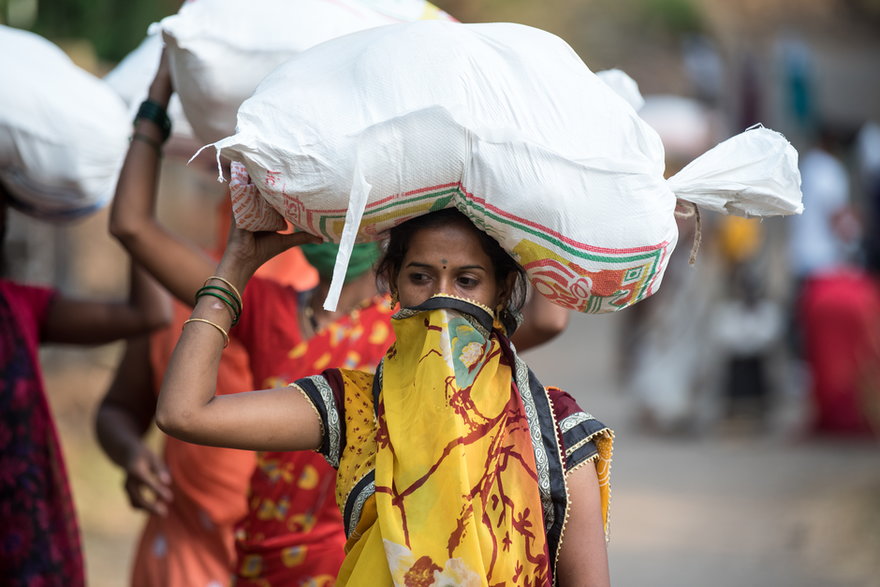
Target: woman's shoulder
(583, 436)
(567, 410)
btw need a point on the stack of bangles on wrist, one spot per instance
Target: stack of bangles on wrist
(230, 297)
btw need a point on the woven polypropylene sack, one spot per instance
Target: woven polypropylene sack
(63, 132)
(501, 121)
(219, 50)
(131, 79)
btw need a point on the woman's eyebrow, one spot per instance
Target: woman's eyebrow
(430, 266)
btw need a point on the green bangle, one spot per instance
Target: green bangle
(227, 292)
(156, 114)
(234, 308)
(224, 300)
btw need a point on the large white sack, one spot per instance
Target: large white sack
(686, 127)
(63, 131)
(502, 121)
(131, 79)
(220, 49)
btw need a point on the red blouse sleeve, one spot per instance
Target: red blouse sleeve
(575, 428)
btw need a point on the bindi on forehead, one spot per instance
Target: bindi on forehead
(444, 262)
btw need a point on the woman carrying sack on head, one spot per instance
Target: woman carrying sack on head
(453, 462)
(292, 531)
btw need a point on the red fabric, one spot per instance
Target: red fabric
(293, 533)
(194, 543)
(840, 314)
(39, 536)
(290, 267)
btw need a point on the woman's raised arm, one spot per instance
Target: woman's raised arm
(189, 409)
(180, 266)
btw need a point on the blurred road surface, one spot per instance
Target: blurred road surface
(717, 509)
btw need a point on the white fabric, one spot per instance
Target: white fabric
(745, 330)
(754, 173)
(625, 86)
(63, 132)
(504, 122)
(131, 79)
(684, 125)
(814, 247)
(220, 49)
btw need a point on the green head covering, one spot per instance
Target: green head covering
(322, 256)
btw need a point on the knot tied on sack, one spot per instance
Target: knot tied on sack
(685, 210)
(752, 174)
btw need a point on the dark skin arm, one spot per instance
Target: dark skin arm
(543, 321)
(583, 556)
(122, 420)
(180, 266)
(75, 321)
(188, 409)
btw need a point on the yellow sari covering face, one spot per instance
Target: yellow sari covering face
(456, 484)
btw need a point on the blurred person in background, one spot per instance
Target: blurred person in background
(868, 161)
(837, 308)
(664, 356)
(746, 326)
(292, 530)
(39, 535)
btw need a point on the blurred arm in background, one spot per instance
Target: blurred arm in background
(542, 322)
(122, 421)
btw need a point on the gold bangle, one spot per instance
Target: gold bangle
(232, 287)
(217, 326)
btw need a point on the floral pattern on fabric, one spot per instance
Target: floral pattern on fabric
(293, 534)
(39, 537)
(472, 457)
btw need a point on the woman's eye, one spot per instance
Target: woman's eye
(418, 277)
(466, 281)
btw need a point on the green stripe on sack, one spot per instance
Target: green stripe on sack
(451, 193)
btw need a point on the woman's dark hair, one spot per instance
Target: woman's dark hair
(390, 263)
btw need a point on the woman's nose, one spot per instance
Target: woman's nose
(444, 286)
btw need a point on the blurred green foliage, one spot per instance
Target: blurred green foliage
(675, 17)
(113, 27)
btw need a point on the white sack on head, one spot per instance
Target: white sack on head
(219, 50)
(63, 132)
(625, 86)
(685, 125)
(754, 173)
(131, 79)
(502, 121)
